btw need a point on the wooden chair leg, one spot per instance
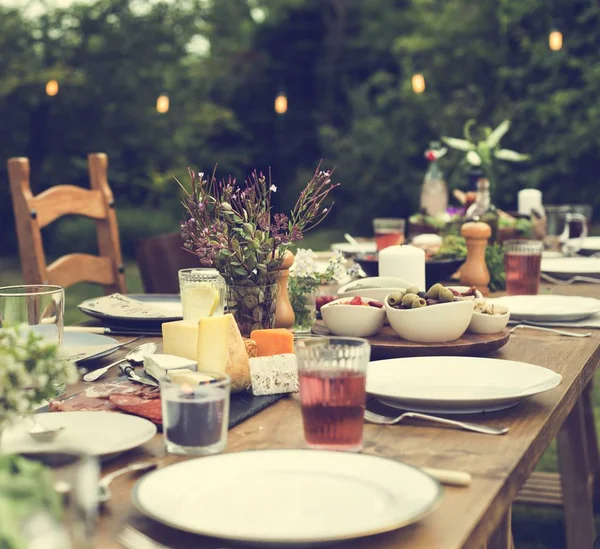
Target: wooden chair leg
(502, 538)
(591, 436)
(573, 458)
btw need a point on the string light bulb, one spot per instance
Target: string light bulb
(281, 103)
(555, 40)
(418, 83)
(162, 103)
(52, 88)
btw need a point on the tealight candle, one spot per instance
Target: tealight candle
(407, 262)
(530, 200)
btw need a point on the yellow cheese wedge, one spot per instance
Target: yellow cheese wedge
(180, 338)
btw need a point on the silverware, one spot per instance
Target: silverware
(576, 278)
(113, 331)
(133, 539)
(104, 493)
(128, 370)
(551, 330)
(136, 355)
(372, 417)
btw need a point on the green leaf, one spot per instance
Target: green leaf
(459, 144)
(495, 137)
(510, 156)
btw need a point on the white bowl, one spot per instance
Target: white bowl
(433, 324)
(378, 287)
(352, 320)
(488, 324)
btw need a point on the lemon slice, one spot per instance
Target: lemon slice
(203, 300)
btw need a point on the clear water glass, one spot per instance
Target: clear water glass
(196, 417)
(203, 293)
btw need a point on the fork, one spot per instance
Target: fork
(133, 539)
(372, 417)
(576, 278)
(552, 330)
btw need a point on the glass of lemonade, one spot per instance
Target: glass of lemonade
(203, 293)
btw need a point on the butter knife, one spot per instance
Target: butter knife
(128, 370)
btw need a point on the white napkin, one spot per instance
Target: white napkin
(123, 306)
(590, 322)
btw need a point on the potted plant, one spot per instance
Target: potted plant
(232, 228)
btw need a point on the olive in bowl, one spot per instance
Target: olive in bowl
(353, 316)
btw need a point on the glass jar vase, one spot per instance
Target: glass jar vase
(305, 310)
(252, 306)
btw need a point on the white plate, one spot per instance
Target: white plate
(572, 266)
(102, 434)
(287, 497)
(81, 347)
(168, 304)
(448, 384)
(549, 307)
(352, 249)
(589, 244)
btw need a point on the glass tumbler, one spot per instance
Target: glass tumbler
(202, 293)
(332, 374)
(522, 264)
(388, 232)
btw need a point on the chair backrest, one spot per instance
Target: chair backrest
(159, 258)
(33, 213)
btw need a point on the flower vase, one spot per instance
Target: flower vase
(305, 310)
(253, 307)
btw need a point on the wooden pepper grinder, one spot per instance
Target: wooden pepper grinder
(475, 272)
(284, 314)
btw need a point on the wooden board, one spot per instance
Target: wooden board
(386, 344)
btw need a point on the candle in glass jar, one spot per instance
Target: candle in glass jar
(407, 262)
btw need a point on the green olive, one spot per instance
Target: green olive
(418, 303)
(446, 295)
(395, 298)
(434, 291)
(408, 299)
(412, 290)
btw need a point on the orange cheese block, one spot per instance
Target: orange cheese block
(277, 341)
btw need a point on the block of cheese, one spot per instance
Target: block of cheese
(222, 349)
(251, 347)
(188, 376)
(159, 365)
(180, 338)
(277, 341)
(272, 375)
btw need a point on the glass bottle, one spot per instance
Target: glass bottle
(434, 192)
(483, 209)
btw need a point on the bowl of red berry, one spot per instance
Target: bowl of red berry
(353, 316)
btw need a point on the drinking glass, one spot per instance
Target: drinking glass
(388, 232)
(196, 418)
(202, 293)
(522, 261)
(565, 229)
(332, 373)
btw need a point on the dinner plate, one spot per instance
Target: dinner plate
(82, 347)
(548, 307)
(567, 267)
(351, 249)
(287, 497)
(456, 385)
(102, 434)
(590, 244)
(167, 304)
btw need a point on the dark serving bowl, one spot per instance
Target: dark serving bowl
(436, 270)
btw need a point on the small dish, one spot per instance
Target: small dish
(375, 287)
(342, 319)
(484, 323)
(433, 324)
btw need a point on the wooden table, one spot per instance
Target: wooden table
(471, 518)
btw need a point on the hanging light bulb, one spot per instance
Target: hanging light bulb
(418, 83)
(162, 103)
(52, 88)
(281, 103)
(555, 40)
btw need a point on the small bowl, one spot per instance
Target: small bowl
(433, 324)
(352, 320)
(488, 324)
(376, 287)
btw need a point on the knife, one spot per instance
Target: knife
(128, 370)
(113, 331)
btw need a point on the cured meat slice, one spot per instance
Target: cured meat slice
(148, 408)
(121, 387)
(80, 403)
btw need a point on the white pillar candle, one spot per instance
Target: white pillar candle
(407, 262)
(530, 199)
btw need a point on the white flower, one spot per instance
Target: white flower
(254, 271)
(273, 188)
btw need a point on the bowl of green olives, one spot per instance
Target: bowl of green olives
(488, 318)
(437, 316)
(353, 316)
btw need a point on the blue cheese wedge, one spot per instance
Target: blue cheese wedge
(273, 375)
(158, 366)
(188, 377)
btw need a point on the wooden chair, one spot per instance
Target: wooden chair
(33, 213)
(159, 258)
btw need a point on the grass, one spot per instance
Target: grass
(534, 528)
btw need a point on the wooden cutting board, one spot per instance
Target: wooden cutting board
(386, 344)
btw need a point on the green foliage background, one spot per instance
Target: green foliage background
(345, 66)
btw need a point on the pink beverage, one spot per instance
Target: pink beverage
(333, 404)
(388, 237)
(522, 273)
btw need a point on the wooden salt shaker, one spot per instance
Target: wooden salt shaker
(475, 272)
(284, 313)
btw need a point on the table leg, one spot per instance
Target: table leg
(502, 537)
(592, 440)
(573, 456)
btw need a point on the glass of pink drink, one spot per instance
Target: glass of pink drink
(332, 373)
(522, 264)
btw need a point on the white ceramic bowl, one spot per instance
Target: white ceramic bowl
(375, 287)
(434, 324)
(352, 320)
(488, 324)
